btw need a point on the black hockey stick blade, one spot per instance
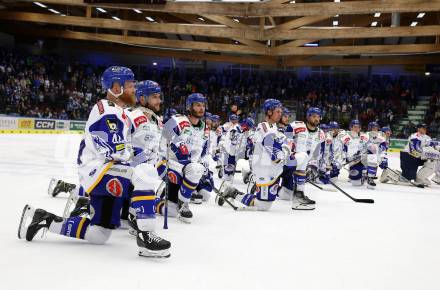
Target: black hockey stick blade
(361, 200)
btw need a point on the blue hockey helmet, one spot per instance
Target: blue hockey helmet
(247, 124)
(271, 104)
(215, 118)
(354, 122)
(147, 88)
(333, 125)
(286, 112)
(194, 98)
(233, 117)
(372, 125)
(208, 115)
(386, 129)
(313, 110)
(324, 127)
(116, 74)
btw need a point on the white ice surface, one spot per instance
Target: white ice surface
(392, 244)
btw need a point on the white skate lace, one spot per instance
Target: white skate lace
(153, 237)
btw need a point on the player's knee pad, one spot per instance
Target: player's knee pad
(301, 160)
(285, 193)
(143, 203)
(228, 172)
(97, 235)
(143, 177)
(263, 205)
(192, 173)
(267, 192)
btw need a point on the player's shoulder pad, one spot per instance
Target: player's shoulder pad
(138, 117)
(364, 137)
(298, 127)
(107, 107)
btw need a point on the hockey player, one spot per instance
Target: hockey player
(284, 121)
(306, 140)
(420, 151)
(183, 147)
(105, 176)
(235, 143)
(145, 137)
(270, 155)
(375, 154)
(335, 149)
(354, 144)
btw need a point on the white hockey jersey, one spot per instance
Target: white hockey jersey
(146, 130)
(416, 143)
(354, 144)
(268, 154)
(185, 142)
(105, 142)
(303, 140)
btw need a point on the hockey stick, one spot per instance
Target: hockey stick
(320, 187)
(405, 179)
(225, 199)
(165, 209)
(363, 200)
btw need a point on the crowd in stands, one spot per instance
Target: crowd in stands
(432, 117)
(48, 87)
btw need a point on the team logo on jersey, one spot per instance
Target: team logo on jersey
(114, 187)
(112, 125)
(140, 120)
(117, 139)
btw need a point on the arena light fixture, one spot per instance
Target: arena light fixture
(374, 23)
(155, 63)
(236, 20)
(40, 4)
(427, 73)
(201, 18)
(421, 15)
(337, 1)
(149, 19)
(377, 15)
(414, 23)
(101, 10)
(335, 22)
(292, 2)
(54, 11)
(137, 11)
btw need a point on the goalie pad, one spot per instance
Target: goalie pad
(425, 172)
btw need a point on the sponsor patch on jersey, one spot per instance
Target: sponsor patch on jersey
(299, 130)
(172, 177)
(114, 187)
(140, 120)
(120, 147)
(112, 125)
(184, 124)
(100, 107)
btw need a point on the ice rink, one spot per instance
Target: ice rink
(392, 244)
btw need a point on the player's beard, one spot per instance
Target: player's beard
(154, 107)
(197, 114)
(128, 100)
